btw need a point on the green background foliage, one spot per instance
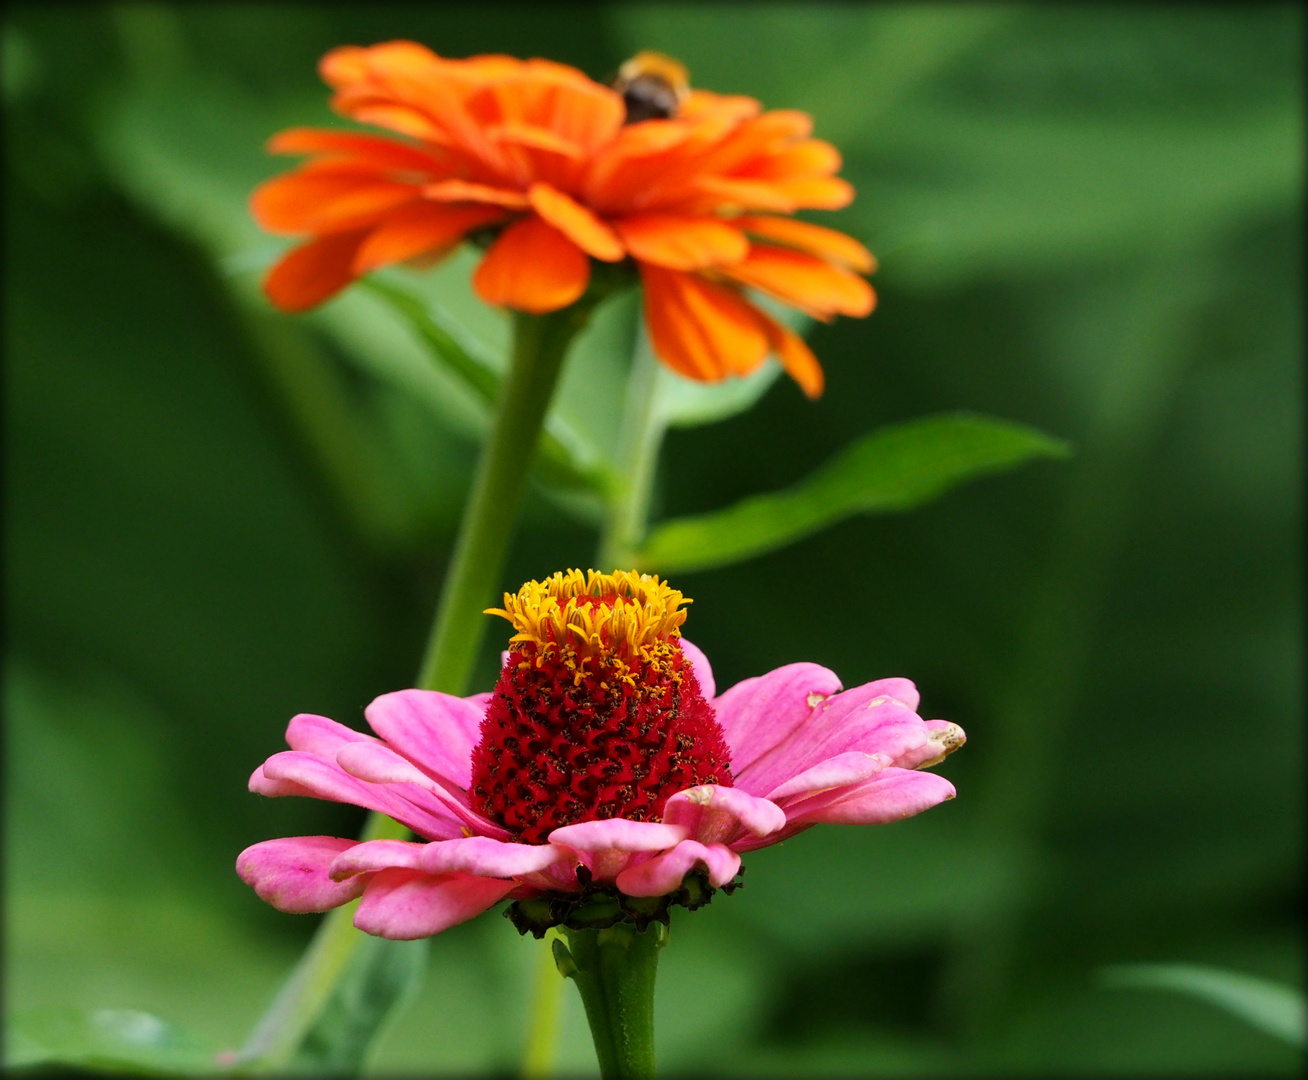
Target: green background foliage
(1089, 221)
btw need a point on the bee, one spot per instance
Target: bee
(652, 86)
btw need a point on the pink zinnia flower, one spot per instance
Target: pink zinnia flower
(601, 760)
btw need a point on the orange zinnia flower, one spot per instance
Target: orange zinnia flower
(685, 183)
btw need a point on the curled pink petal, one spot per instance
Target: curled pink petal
(379, 764)
(758, 713)
(293, 772)
(699, 663)
(437, 731)
(321, 736)
(619, 834)
(292, 873)
(407, 904)
(664, 873)
(866, 718)
(376, 763)
(375, 855)
(713, 814)
(889, 796)
(607, 847)
(942, 738)
(485, 857)
(838, 771)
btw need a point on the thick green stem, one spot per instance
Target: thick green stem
(614, 971)
(540, 343)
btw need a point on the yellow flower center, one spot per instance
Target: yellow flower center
(623, 615)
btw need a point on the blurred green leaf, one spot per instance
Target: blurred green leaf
(109, 1040)
(892, 469)
(682, 402)
(384, 977)
(1269, 1006)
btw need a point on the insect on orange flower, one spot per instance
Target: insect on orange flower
(694, 188)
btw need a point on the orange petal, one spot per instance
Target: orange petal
(421, 229)
(352, 63)
(586, 114)
(816, 192)
(409, 88)
(746, 194)
(310, 274)
(702, 104)
(796, 357)
(808, 283)
(576, 222)
(815, 239)
(534, 138)
(813, 157)
(327, 198)
(608, 175)
(463, 191)
(680, 242)
(345, 64)
(701, 330)
(372, 148)
(532, 267)
(402, 118)
(764, 134)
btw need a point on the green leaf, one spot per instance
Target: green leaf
(563, 458)
(892, 469)
(1269, 1006)
(384, 976)
(108, 1040)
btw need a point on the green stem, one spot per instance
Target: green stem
(614, 971)
(643, 428)
(540, 343)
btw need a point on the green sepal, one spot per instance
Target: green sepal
(599, 907)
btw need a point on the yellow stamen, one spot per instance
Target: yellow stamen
(636, 612)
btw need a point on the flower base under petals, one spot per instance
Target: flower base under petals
(598, 907)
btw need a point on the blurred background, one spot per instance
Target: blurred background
(1089, 219)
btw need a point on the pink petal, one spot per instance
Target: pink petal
(713, 814)
(438, 731)
(376, 855)
(407, 904)
(377, 763)
(318, 735)
(942, 738)
(866, 718)
(889, 796)
(700, 665)
(606, 847)
(308, 772)
(292, 873)
(663, 873)
(293, 772)
(760, 712)
(838, 771)
(489, 858)
(618, 834)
